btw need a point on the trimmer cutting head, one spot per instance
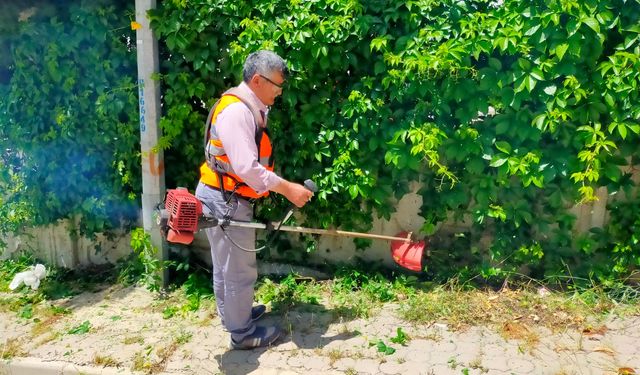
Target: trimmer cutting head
(408, 254)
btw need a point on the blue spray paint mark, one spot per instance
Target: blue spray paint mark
(143, 124)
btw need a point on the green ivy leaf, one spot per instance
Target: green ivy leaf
(497, 162)
(622, 129)
(561, 50)
(504, 147)
(593, 24)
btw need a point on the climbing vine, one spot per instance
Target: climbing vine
(68, 115)
(508, 113)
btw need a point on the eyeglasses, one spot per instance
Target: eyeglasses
(273, 83)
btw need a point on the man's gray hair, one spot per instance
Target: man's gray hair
(263, 62)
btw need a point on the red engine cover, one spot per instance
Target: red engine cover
(184, 209)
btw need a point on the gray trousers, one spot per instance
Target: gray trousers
(234, 270)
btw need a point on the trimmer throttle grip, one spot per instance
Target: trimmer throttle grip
(310, 185)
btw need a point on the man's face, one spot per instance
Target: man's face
(269, 86)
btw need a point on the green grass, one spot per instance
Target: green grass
(352, 293)
(289, 292)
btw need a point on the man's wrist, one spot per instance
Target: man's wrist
(283, 187)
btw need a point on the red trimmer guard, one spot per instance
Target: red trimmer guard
(407, 254)
(175, 236)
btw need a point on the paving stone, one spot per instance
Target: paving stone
(489, 371)
(316, 364)
(367, 366)
(521, 365)
(444, 348)
(235, 356)
(418, 355)
(414, 369)
(599, 360)
(392, 367)
(621, 344)
(254, 358)
(273, 359)
(632, 361)
(271, 371)
(296, 361)
(467, 352)
(440, 369)
(344, 364)
(286, 346)
(239, 369)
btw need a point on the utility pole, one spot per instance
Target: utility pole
(153, 184)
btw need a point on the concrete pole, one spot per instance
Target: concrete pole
(153, 184)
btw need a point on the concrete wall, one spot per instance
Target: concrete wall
(55, 245)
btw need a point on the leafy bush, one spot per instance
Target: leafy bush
(506, 112)
(68, 115)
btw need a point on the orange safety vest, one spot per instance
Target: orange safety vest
(217, 165)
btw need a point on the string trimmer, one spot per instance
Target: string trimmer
(182, 216)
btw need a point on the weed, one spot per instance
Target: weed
(443, 303)
(26, 312)
(105, 361)
(206, 320)
(12, 348)
(382, 347)
(183, 338)
(400, 338)
(433, 336)
(48, 338)
(360, 293)
(164, 353)
(169, 312)
(519, 331)
(476, 364)
(44, 326)
(80, 329)
(138, 339)
(145, 267)
(199, 285)
(290, 291)
(334, 355)
(141, 362)
(453, 363)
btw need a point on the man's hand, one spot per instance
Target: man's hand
(295, 193)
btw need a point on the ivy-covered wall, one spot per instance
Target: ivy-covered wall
(506, 112)
(69, 143)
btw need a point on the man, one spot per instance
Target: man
(239, 169)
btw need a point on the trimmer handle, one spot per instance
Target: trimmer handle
(310, 185)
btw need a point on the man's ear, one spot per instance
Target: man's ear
(255, 80)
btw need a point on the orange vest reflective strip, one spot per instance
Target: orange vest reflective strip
(231, 181)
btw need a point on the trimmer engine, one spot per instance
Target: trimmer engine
(183, 210)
